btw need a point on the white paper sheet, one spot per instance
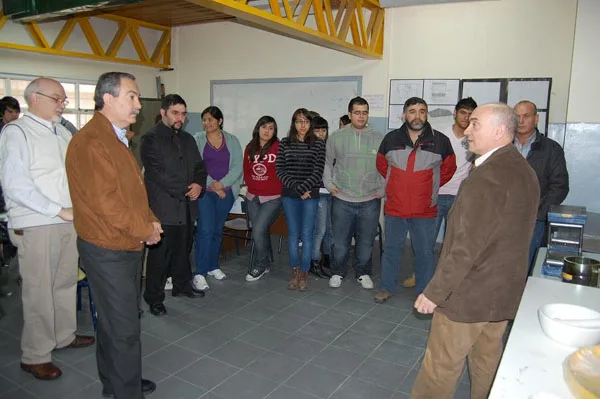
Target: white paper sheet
(441, 91)
(401, 90)
(482, 92)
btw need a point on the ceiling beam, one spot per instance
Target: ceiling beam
(364, 42)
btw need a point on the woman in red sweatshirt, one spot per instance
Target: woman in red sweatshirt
(264, 191)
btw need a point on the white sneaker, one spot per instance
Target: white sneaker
(335, 281)
(365, 281)
(169, 284)
(217, 274)
(199, 282)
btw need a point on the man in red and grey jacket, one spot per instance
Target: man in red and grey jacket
(416, 161)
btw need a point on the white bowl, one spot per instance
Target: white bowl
(550, 316)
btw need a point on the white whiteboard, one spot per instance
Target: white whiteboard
(243, 101)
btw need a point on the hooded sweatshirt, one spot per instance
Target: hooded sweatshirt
(350, 164)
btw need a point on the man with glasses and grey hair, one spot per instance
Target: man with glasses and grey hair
(34, 179)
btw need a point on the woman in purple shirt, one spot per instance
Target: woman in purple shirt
(222, 155)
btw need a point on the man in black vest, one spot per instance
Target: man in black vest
(175, 178)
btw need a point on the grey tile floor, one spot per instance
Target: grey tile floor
(252, 341)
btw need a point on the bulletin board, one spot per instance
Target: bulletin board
(442, 95)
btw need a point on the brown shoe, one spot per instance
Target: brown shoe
(382, 296)
(303, 281)
(43, 371)
(81, 341)
(293, 284)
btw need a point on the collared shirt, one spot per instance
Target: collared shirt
(524, 149)
(16, 177)
(121, 134)
(485, 156)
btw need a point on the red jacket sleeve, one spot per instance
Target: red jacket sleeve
(381, 163)
(447, 169)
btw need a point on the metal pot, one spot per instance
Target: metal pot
(580, 270)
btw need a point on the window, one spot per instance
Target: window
(80, 94)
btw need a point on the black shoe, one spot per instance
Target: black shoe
(315, 269)
(191, 293)
(158, 309)
(147, 388)
(325, 266)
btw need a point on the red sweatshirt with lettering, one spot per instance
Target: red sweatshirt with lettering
(259, 174)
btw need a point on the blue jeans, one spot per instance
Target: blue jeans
(322, 231)
(262, 216)
(300, 217)
(212, 215)
(445, 202)
(423, 242)
(536, 241)
(358, 219)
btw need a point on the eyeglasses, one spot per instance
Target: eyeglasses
(62, 101)
(359, 113)
(302, 122)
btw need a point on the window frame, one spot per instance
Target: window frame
(74, 104)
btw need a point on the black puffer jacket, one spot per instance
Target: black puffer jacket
(547, 159)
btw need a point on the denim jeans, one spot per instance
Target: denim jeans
(322, 231)
(423, 242)
(300, 217)
(536, 241)
(358, 219)
(444, 204)
(262, 216)
(212, 215)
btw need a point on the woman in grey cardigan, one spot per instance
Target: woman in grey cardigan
(222, 155)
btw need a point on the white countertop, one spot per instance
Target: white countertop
(532, 362)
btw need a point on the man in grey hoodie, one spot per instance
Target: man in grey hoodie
(356, 187)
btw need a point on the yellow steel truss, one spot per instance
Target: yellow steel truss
(159, 58)
(366, 40)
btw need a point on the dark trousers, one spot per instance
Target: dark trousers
(114, 278)
(358, 219)
(170, 256)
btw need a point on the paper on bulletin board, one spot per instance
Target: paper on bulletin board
(482, 92)
(395, 116)
(401, 90)
(535, 91)
(542, 122)
(441, 91)
(376, 103)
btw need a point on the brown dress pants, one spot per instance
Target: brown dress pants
(448, 345)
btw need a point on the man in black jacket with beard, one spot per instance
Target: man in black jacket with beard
(175, 178)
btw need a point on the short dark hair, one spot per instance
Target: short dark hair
(7, 103)
(109, 82)
(414, 101)
(466, 103)
(215, 112)
(319, 122)
(357, 101)
(172, 99)
(345, 120)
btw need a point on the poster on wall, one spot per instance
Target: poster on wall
(482, 91)
(441, 91)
